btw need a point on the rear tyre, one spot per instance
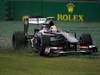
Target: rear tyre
(19, 40)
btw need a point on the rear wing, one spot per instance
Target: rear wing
(38, 20)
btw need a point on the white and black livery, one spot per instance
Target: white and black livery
(52, 43)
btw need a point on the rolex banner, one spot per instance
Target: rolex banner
(62, 11)
(73, 11)
(70, 14)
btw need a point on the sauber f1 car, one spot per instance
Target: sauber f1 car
(53, 43)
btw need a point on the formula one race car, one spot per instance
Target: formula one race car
(56, 44)
(53, 43)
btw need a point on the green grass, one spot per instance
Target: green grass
(32, 64)
(23, 62)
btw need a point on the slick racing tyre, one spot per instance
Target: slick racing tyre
(85, 39)
(19, 40)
